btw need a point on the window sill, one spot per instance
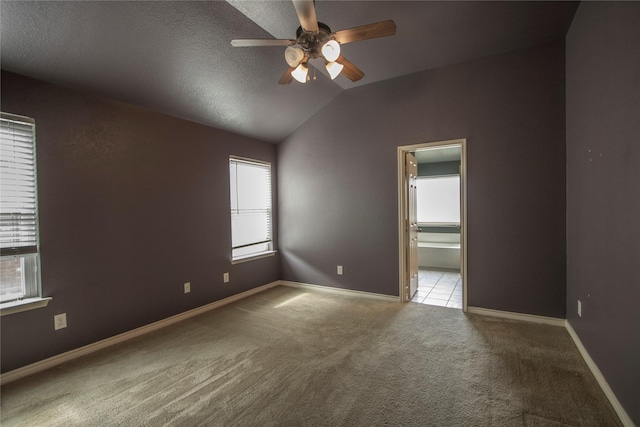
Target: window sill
(23, 305)
(252, 257)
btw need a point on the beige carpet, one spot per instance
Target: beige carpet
(288, 357)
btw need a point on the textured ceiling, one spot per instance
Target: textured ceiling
(176, 57)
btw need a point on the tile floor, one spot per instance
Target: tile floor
(439, 287)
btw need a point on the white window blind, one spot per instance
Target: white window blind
(251, 232)
(18, 196)
(18, 209)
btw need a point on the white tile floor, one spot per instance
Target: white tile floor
(439, 287)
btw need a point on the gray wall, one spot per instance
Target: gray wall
(132, 205)
(338, 179)
(603, 191)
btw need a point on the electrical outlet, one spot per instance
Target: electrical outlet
(187, 287)
(225, 278)
(340, 270)
(60, 321)
(579, 308)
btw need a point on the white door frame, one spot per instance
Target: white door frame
(463, 229)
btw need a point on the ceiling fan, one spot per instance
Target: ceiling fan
(315, 40)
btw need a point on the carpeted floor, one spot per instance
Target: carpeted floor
(288, 357)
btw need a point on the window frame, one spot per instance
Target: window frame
(31, 297)
(270, 251)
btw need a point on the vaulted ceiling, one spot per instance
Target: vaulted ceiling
(176, 57)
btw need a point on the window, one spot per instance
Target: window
(439, 200)
(251, 233)
(19, 272)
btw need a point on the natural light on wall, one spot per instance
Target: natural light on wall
(439, 199)
(251, 233)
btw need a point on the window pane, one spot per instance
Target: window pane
(249, 228)
(11, 283)
(439, 199)
(18, 277)
(255, 188)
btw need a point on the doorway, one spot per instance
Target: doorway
(440, 231)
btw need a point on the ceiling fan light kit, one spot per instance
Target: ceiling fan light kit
(293, 56)
(331, 50)
(334, 69)
(314, 40)
(300, 73)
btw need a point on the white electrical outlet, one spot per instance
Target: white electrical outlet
(579, 308)
(60, 321)
(225, 277)
(187, 287)
(340, 270)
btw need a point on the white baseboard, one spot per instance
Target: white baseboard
(604, 385)
(59, 359)
(622, 414)
(555, 321)
(330, 289)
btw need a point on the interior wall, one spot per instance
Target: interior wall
(603, 198)
(132, 204)
(338, 179)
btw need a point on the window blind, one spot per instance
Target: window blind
(18, 193)
(251, 231)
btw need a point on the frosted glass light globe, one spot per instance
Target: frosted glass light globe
(293, 56)
(300, 73)
(331, 50)
(334, 69)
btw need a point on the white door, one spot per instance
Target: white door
(462, 230)
(411, 225)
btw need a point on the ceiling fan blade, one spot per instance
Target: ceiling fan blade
(261, 42)
(370, 31)
(352, 72)
(286, 77)
(306, 11)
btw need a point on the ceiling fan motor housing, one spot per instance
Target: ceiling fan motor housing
(313, 42)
